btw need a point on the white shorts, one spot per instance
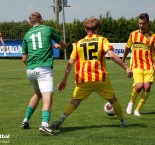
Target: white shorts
(41, 79)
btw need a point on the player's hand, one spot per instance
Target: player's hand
(56, 45)
(61, 86)
(129, 72)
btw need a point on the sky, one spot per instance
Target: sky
(19, 10)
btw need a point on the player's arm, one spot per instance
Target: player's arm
(24, 58)
(62, 44)
(69, 67)
(126, 52)
(154, 59)
(154, 53)
(58, 39)
(117, 60)
(154, 66)
(2, 41)
(56, 45)
(127, 48)
(24, 51)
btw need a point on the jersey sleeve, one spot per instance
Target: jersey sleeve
(107, 45)
(73, 54)
(24, 47)
(57, 38)
(129, 42)
(0, 35)
(153, 53)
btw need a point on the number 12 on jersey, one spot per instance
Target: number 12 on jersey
(92, 51)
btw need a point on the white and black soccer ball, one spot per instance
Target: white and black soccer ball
(108, 109)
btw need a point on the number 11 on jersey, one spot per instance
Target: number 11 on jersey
(36, 38)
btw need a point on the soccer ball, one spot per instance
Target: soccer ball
(108, 109)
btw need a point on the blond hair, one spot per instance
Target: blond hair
(35, 18)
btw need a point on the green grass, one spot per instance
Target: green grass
(88, 125)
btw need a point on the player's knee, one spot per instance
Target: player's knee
(147, 87)
(139, 87)
(112, 100)
(76, 102)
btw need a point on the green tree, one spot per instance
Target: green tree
(115, 30)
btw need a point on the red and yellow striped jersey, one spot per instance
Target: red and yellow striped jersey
(142, 50)
(89, 54)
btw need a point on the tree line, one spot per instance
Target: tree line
(116, 31)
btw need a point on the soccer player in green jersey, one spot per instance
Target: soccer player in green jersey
(38, 57)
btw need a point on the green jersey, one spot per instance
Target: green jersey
(38, 46)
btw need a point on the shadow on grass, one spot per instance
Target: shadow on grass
(68, 129)
(148, 113)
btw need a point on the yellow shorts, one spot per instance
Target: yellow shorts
(83, 90)
(142, 76)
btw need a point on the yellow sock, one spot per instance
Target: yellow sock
(134, 95)
(118, 110)
(142, 100)
(69, 109)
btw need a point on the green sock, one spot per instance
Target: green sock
(46, 116)
(29, 112)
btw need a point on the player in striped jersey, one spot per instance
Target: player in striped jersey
(90, 71)
(141, 62)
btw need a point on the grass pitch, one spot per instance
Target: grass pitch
(88, 124)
